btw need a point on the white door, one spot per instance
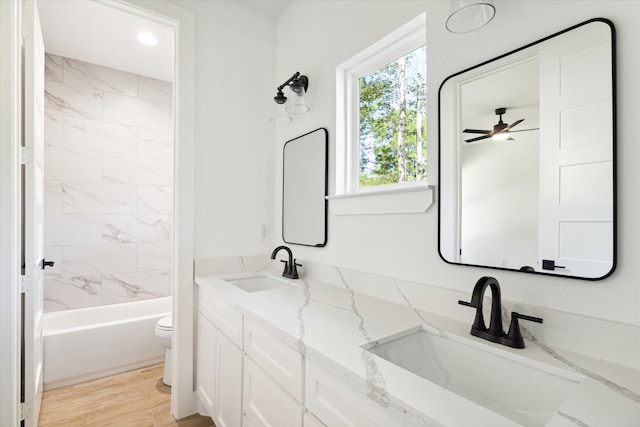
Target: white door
(576, 152)
(33, 160)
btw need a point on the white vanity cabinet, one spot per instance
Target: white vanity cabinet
(272, 395)
(279, 360)
(265, 403)
(219, 360)
(338, 404)
(311, 421)
(248, 375)
(228, 396)
(205, 366)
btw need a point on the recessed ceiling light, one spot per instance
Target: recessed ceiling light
(148, 39)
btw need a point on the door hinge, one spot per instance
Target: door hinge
(26, 155)
(26, 284)
(27, 28)
(22, 411)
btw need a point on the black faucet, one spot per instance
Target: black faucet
(495, 333)
(290, 266)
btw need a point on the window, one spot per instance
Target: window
(392, 125)
(381, 114)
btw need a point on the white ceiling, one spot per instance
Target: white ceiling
(272, 8)
(515, 87)
(99, 34)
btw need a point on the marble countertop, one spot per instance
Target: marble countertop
(329, 323)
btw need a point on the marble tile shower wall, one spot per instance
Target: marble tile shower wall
(108, 185)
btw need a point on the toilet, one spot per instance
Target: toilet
(164, 331)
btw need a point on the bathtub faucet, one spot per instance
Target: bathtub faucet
(290, 266)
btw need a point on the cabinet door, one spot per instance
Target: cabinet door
(265, 403)
(228, 394)
(281, 362)
(205, 365)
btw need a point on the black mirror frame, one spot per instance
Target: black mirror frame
(614, 152)
(326, 186)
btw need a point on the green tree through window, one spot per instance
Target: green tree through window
(393, 122)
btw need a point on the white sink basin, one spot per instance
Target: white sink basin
(528, 393)
(257, 283)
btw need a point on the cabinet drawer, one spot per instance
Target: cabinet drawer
(338, 404)
(224, 316)
(281, 362)
(312, 421)
(265, 403)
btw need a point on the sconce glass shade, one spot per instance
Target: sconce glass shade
(297, 102)
(280, 115)
(469, 15)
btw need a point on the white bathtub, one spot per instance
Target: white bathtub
(89, 343)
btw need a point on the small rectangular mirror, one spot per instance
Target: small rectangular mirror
(304, 189)
(527, 158)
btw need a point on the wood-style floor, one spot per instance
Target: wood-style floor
(133, 399)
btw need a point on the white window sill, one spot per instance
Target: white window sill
(383, 202)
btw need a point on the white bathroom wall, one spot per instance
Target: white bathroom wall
(513, 169)
(313, 37)
(235, 86)
(108, 185)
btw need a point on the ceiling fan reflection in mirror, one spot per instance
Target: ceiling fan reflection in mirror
(501, 130)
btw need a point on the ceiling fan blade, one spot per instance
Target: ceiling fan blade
(484, 132)
(516, 123)
(478, 138)
(523, 130)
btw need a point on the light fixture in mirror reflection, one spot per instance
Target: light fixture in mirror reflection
(542, 199)
(304, 188)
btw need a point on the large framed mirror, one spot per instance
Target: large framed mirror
(527, 158)
(304, 189)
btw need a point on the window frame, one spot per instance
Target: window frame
(400, 42)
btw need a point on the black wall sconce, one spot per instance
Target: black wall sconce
(296, 103)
